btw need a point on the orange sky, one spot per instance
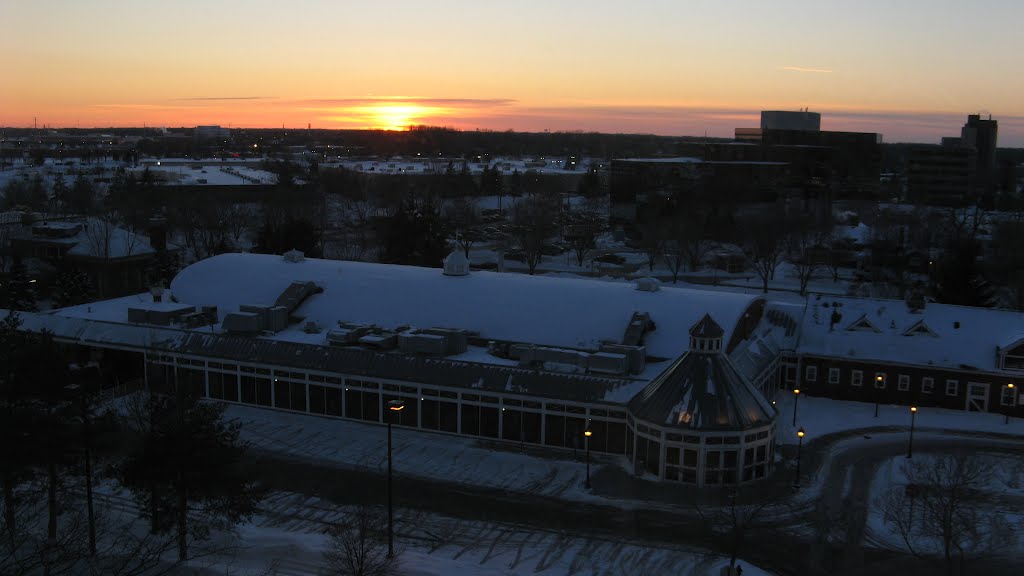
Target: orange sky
(911, 70)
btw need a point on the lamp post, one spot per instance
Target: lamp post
(879, 384)
(1013, 401)
(796, 400)
(394, 406)
(910, 445)
(586, 438)
(799, 449)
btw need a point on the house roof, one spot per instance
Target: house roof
(955, 337)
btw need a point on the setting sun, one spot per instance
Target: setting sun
(384, 115)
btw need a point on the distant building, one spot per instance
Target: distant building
(114, 259)
(788, 120)
(982, 136)
(941, 175)
(960, 172)
(847, 162)
(211, 133)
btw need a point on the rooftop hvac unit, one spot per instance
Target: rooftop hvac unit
(243, 323)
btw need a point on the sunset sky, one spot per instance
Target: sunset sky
(909, 69)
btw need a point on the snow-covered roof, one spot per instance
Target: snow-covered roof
(941, 335)
(574, 313)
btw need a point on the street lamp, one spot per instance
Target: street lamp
(796, 400)
(1013, 401)
(587, 434)
(910, 446)
(879, 384)
(394, 406)
(799, 449)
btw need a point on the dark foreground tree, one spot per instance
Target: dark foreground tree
(185, 470)
(358, 546)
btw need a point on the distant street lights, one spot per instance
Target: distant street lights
(587, 434)
(879, 384)
(799, 449)
(1013, 401)
(910, 445)
(796, 400)
(394, 406)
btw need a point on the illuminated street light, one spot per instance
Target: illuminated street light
(879, 384)
(1013, 401)
(799, 449)
(910, 446)
(587, 434)
(394, 406)
(796, 400)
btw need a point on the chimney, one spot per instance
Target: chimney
(158, 233)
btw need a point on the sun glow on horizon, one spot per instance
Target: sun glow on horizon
(396, 116)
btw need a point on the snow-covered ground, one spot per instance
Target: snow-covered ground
(1001, 491)
(821, 416)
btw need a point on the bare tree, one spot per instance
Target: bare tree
(764, 246)
(357, 546)
(803, 243)
(734, 520)
(941, 510)
(533, 223)
(581, 230)
(464, 218)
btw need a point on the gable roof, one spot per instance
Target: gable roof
(962, 337)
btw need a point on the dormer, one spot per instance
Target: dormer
(706, 336)
(919, 328)
(1012, 356)
(862, 324)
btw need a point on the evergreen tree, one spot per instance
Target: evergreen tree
(187, 459)
(71, 288)
(959, 280)
(60, 193)
(415, 235)
(21, 294)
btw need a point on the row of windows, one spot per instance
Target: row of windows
(217, 378)
(952, 386)
(433, 411)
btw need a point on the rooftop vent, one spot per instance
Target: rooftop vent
(648, 285)
(294, 256)
(456, 264)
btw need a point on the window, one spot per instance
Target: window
(880, 380)
(904, 383)
(952, 387)
(833, 375)
(857, 378)
(1008, 397)
(927, 384)
(811, 373)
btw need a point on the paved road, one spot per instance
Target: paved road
(823, 535)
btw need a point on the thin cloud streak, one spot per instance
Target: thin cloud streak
(218, 98)
(421, 101)
(812, 70)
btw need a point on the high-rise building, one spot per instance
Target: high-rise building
(981, 135)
